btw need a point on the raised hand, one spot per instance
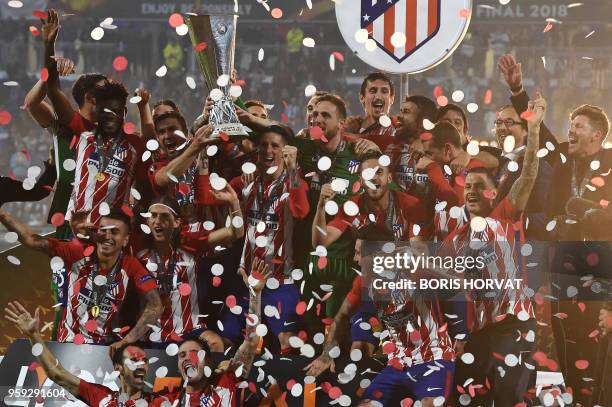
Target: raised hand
(290, 157)
(319, 365)
(145, 96)
(226, 195)
(50, 28)
(511, 70)
(17, 314)
(327, 193)
(536, 108)
(65, 66)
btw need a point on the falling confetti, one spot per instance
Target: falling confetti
(120, 63)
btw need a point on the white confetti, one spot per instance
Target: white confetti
(104, 209)
(69, 164)
(97, 33)
(262, 330)
(384, 160)
(249, 168)
(331, 208)
(260, 55)
(172, 349)
(356, 355)
(428, 124)
(15, 4)
(182, 29)
(152, 145)
(543, 152)
(10, 83)
(478, 224)
(161, 71)
(361, 36)
(504, 2)
(511, 360)
(216, 94)
(332, 62)
(472, 107)
(509, 143)
(370, 45)
(237, 222)
(350, 208)
(218, 183)
(513, 166)
(296, 390)
(473, 148)
(384, 120)
(457, 96)
(37, 349)
(310, 90)
(551, 225)
(13, 260)
(589, 34)
(398, 39)
(11, 237)
(212, 150)
(216, 269)
(223, 80)
(145, 229)
(190, 82)
(34, 171)
(595, 164)
(161, 371)
(235, 91)
(308, 42)
(145, 156)
(467, 358)
(324, 163)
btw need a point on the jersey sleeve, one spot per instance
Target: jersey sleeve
(505, 210)
(416, 214)
(92, 394)
(142, 279)
(152, 172)
(341, 221)
(298, 200)
(354, 296)
(228, 380)
(194, 238)
(69, 250)
(441, 189)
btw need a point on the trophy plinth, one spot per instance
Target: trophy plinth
(218, 32)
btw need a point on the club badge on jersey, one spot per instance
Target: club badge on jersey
(403, 36)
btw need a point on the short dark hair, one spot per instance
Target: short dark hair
(193, 337)
(118, 214)
(483, 170)
(166, 102)
(370, 155)
(117, 358)
(254, 102)
(336, 101)
(597, 116)
(376, 76)
(171, 115)
(375, 232)
(444, 132)
(427, 107)
(320, 93)
(111, 90)
(456, 108)
(284, 131)
(84, 84)
(170, 202)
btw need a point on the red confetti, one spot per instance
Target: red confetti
(290, 384)
(230, 301)
(377, 394)
(592, 259)
(415, 336)
(223, 136)
(43, 15)
(44, 74)
(560, 315)
(396, 364)
(356, 187)
(216, 281)
(34, 31)
(79, 339)
(40, 399)
(284, 118)
(316, 133)
(552, 365)
(442, 100)
(389, 347)
(124, 329)
(465, 13)
(276, 13)
(489, 194)
(300, 308)
(5, 118)
(334, 393)
(582, 306)
(322, 262)
(88, 251)
(200, 47)
(57, 219)
(438, 91)
(127, 210)
(129, 128)
(538, 298)
(327, 321)
(526, 115)
(91, 325)
(581, 364)
(240, 82)
(338, 56)
(594, 333)
(120, 63)
(604, 203)
(426, 136)
(598, 182)
(407, 402)
(488, 97)
(33, 366)
(184, 289)
(175, 20)
(193, 358)
(548, 27)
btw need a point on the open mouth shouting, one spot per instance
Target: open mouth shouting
(378, 106)
(139, 375)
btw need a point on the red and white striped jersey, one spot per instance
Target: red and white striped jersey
(446, 221)
(415, 326)
(379, 135)
(221, 394)
(403, 166)
(271, 210)
(76, 317)
(120, 173)
(503, 236)
(419, 19)
(406, 212)
(181, 310)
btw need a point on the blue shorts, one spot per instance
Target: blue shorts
(285, 298)
(414, 382)
(363, 314)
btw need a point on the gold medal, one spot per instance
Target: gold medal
(95, 311)
(100, 176)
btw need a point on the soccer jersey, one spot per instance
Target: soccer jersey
(379, 135)
(94, 185)
(345, 168)
(183, 190)
(81, 273)
(502, 238)
(221, 394)
(176, 276)
(403, 167)
(271, 210)
(415, 325)
(404, 212)
(98, 395)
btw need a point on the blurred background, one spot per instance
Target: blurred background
(569, 61)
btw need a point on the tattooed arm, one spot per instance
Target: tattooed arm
(243, 359)
(24, 234)
(521, 189)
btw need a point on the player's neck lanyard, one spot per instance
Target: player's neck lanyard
(275, 189)
(100, 293)
(326, 176)
(165, 276)
(578, 188)
(104, 158)
(390, 213)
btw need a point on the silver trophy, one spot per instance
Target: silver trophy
(218, 32)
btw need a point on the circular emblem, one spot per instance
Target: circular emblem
(221, 28)
(403, 36)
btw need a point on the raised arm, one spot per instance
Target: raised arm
(61, 104)
(243, 359)
(521, 189)
(29, 326)
(229, 233)
(321, 233)
(152, 311)
(24, 234)
(336, 332)
(147, 127)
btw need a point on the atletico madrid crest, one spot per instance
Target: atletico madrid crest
(403, 36)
